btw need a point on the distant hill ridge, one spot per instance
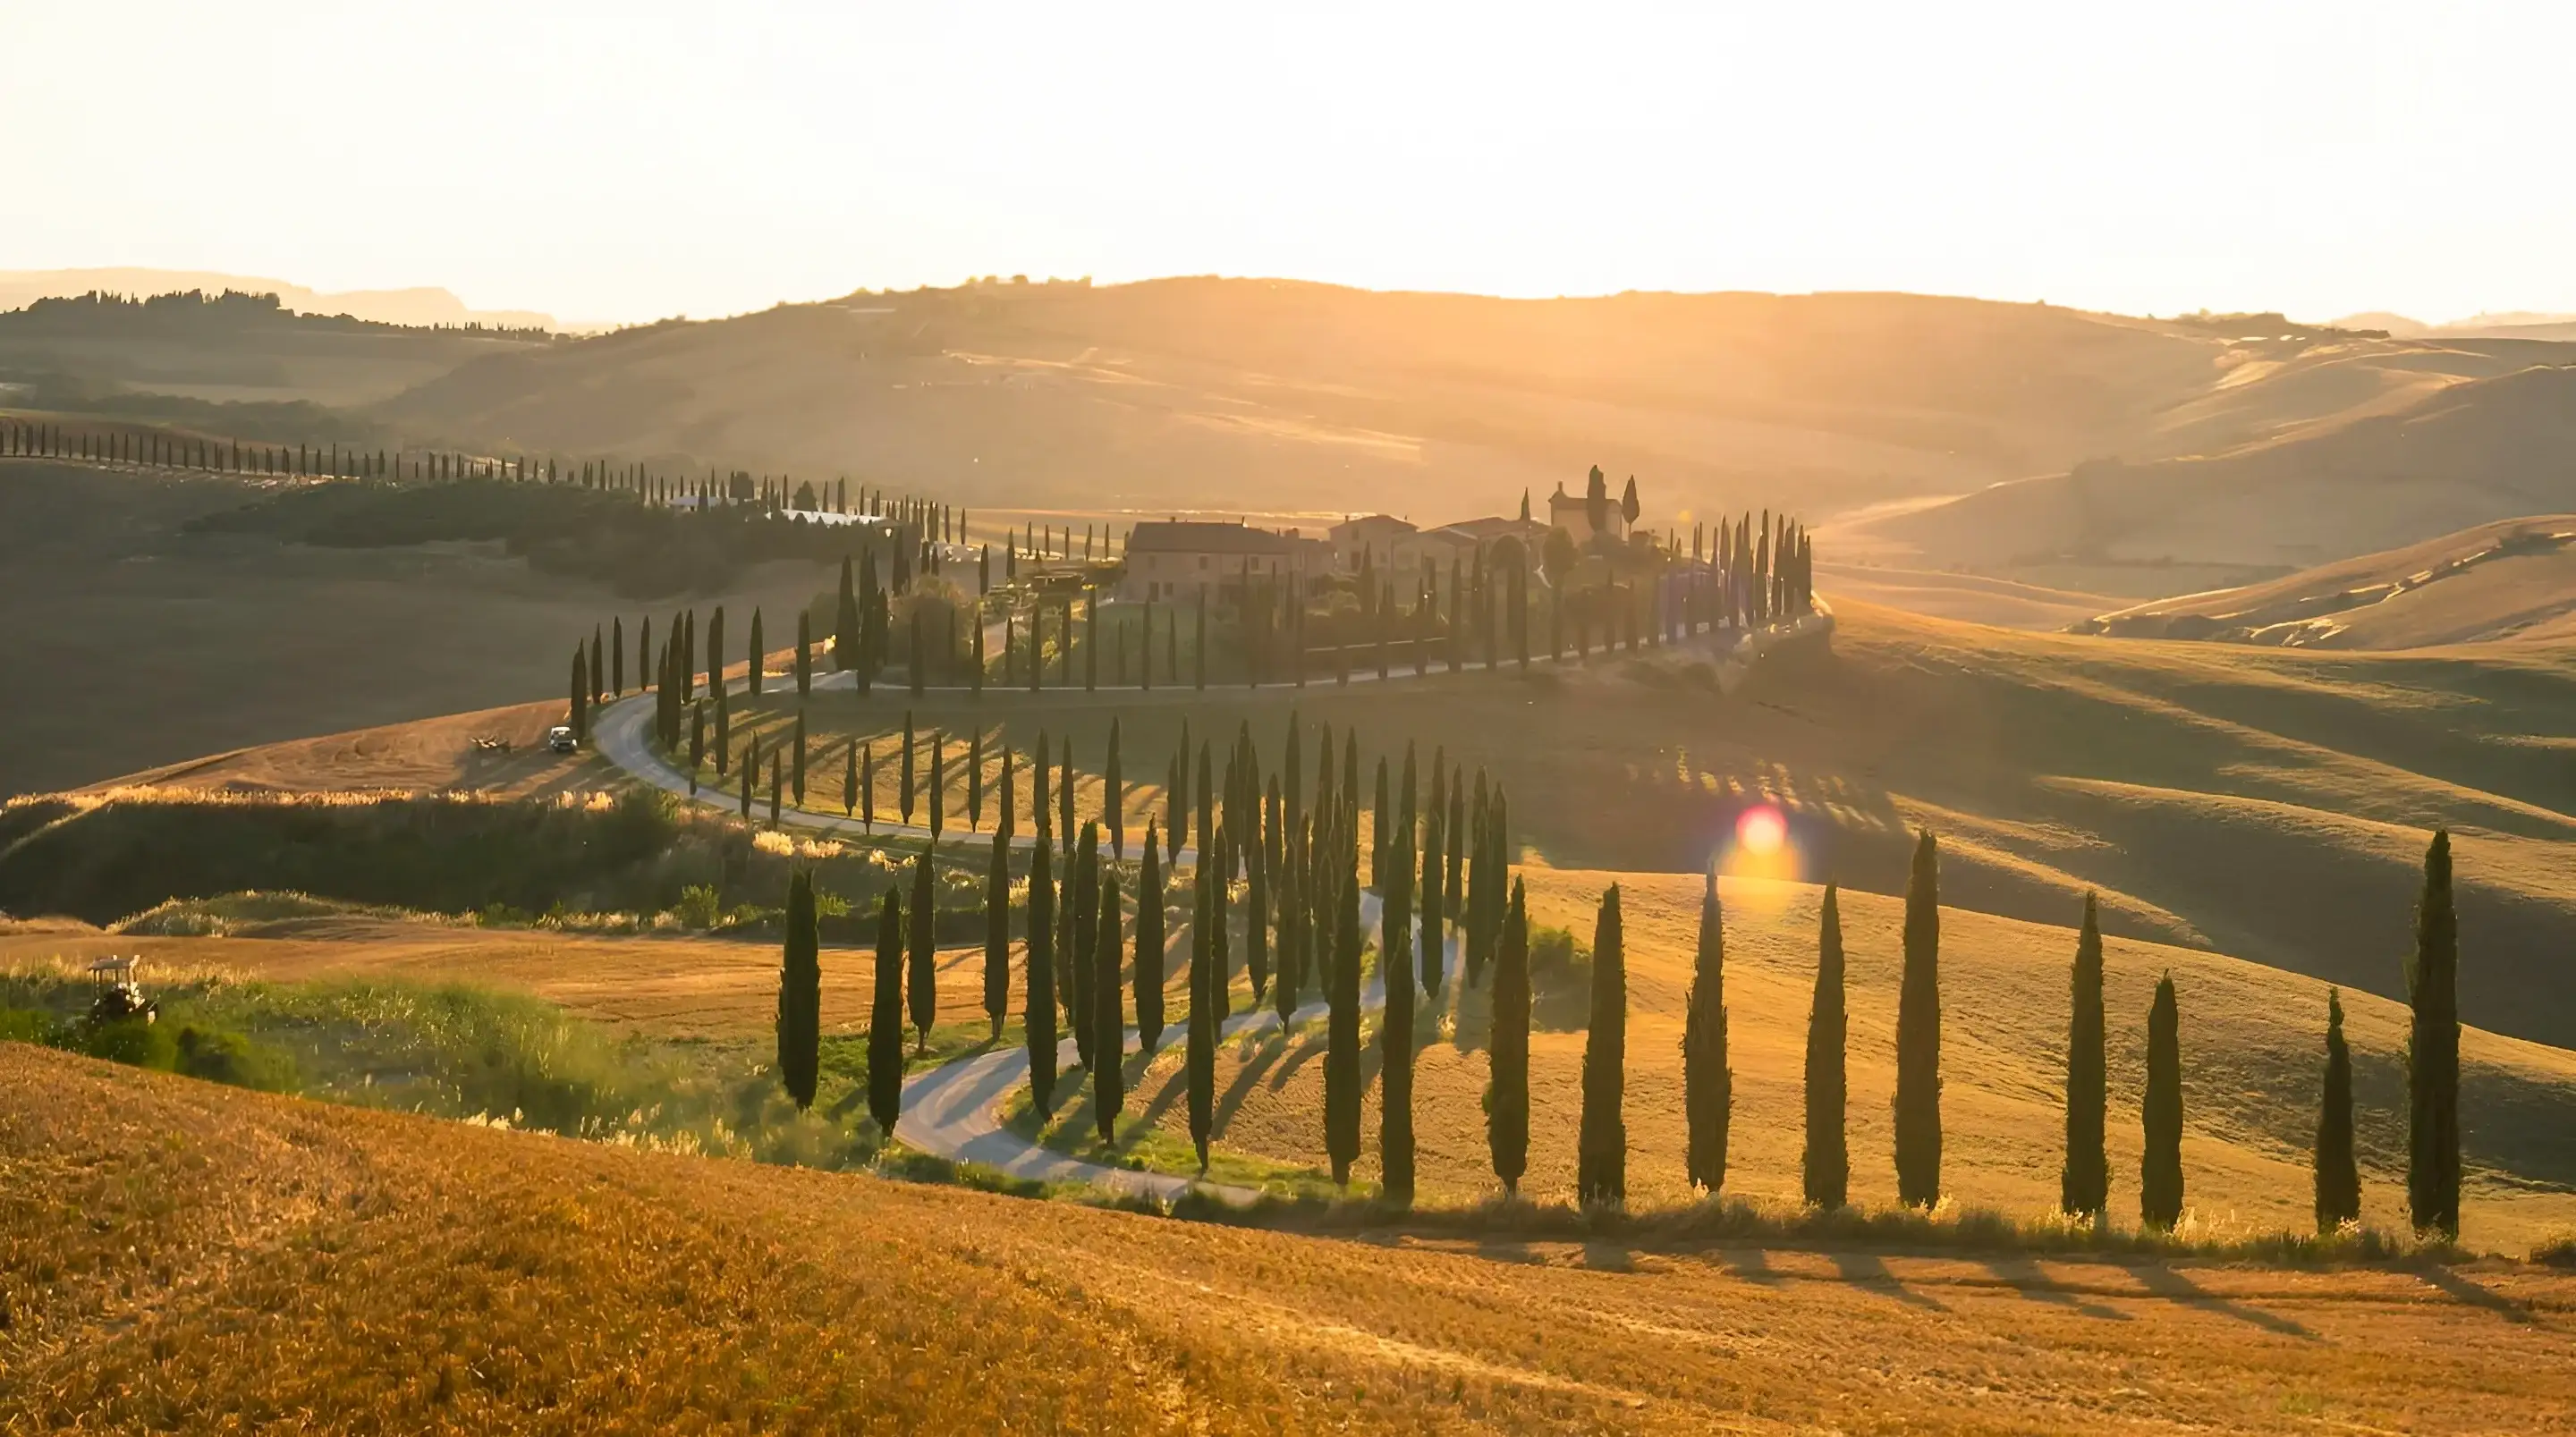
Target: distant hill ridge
(419, 306)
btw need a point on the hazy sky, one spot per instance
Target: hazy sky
(638, 160)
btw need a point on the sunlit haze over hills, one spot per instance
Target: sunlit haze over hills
(632, 161)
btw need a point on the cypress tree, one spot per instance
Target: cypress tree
(1203, 1029)
(1395, 1037)
(1507, 1079)
(1918, 1035)
(617, 657)
(1601, 1148)
(799, 762)
(904, 766)
(800, 995)
(598, 684)
(697, 744)
(758, 653)
(774, 786)
(2084, 1187)
(1037, 1014)
(1708, 1086)
(2433, 1052)
(2338, 1176)
(885, 1019)
(1826, 1164)
(1290, 973)
(938, 783)
(2160, 1168)
(1382, 833)
(975, 779)
(1082, 920)
(1109, 1025)
(1064, 792)
(750, 773)
(1453, 891)
(850, 778)
(1434, 935)
(1149, 947)
(868, 787)
(924, 936)
(1342, 1023)
(997, 933)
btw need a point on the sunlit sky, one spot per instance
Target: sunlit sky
(640, 160)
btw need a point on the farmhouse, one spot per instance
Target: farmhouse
(1179, 559)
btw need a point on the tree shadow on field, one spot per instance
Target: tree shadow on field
(1246, 1077)
(1496, 1248)
(1751, 1264)
(1868, 1269)
(2465, 1290)
(2175, 1286)
(1307, 1049)
(2024, 1277)
(1601, 1255)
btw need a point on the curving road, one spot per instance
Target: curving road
(954, 1110)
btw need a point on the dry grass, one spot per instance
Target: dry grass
(180, 1255)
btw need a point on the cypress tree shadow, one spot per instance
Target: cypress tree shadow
(2173, 1285)
(2023, 1276)
(1868, 1269)
(2468, 1291)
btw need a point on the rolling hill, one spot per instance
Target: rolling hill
(2449, 454)
(1216, 392)
(2514, 580)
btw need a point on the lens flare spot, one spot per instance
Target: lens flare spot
(1761, 831)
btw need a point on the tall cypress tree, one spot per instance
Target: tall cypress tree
(849, 778)
(1149, 947)
(1601, 1147)
(938, 783)
(845, 622)
(2084, 1186)
(2433, 1052)
(885, 1019)
(924, 940)
(758, 653)
(1918, 1035)
(1037, 1014)
(1826, 1164)
(2160, 1168)
(904, 766)
(1201, 1058)
(1708, 1086)
(617, 657)
(774, 786)
(800, 995)
(2338, 1175)
(1435, 936)
(1082, 920)
(1507, 1074)
(1342, 1021)
(997, 933)
(799, 761)
(1395, 1026)
(1109, 1024)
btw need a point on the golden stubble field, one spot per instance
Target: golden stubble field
(182, 1256)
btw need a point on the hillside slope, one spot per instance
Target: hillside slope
(184, 1255)
(2464, 454)
(2509, 580)
(1235, 393)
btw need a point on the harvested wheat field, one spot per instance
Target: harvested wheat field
(186, 1256)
